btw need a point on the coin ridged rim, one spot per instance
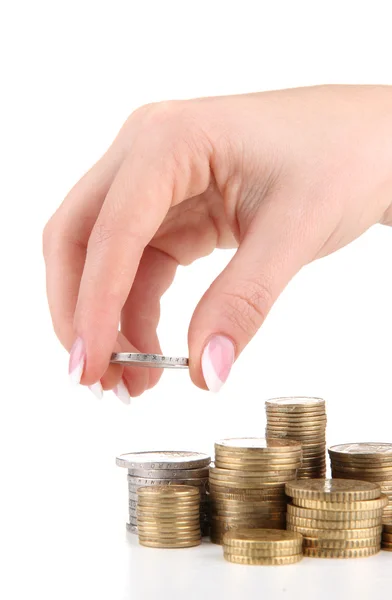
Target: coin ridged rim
(154, 544)
(169, 473)
(266, 561)
(323, 524)
(260, 468)
(239, 497)
(263, 538)
(174, 491)
(377, 503)
(337, 534)
(271, 446)
(371, 479)
(333, 515)
(339, 490)
(341, 544)
(353, 553)
(263, 552)
(366, 470)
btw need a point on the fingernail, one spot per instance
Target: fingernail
(97, 390)
(77, 359)
(216, 361)
(122, 393)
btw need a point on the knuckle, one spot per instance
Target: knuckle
(248, 305)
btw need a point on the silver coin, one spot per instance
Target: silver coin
(131, 528)
(147, 482)
(170, 473)
(137, 359)
(163, 459)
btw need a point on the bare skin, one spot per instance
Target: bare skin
(287, 177)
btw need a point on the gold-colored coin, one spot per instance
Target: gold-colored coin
(338, 506)
(254, 446)
(339, 553)
(253, 481)
(363, 450)
(257, 496)
(262, 553)
(277, 560)
(168, 532)
(249, 475)
(334, 515)
(251, 506)
(249, 516)
(322, 524)
(169, 536)
(345, 475)
(335, 534)
(169, 491)
(218, 485)
(157, 544)
(333, 490)
(263, 538)
(341, 544)
(370, 470)
(258, 466)
(157, 514)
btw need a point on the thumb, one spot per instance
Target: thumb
(229, 314)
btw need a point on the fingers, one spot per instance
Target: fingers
(278, 244)
(141, 312)
(65, 241)
(149, 181)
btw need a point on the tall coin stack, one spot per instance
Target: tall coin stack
(247, 484)
(305, 420)
(337, 518)
(386, 542)
(262, 547)
(166, 468)
(169, 516)
(366, 461)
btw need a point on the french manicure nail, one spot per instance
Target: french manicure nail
(77, 359)
(216, 361)
(97, 390)
(122, 393)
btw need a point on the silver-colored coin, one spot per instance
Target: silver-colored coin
(131, 528)
(170, 473)
(146, 482)
(137, 359)
(163, 459)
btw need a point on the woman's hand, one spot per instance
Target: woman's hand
(286, 176)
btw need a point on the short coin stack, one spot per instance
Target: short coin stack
(165, 468)
(386, 541)
(262, 547)
(169, 517)
(305, 420)
(247, 484)
(337, 518)
(368, 461)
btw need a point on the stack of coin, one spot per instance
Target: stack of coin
(164, 468)
(169, 516)
(262, 547)
(305, 420)
(247, 483)
(386, 541)
(370, 461)
(338, 518)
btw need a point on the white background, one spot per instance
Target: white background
(71, 72)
